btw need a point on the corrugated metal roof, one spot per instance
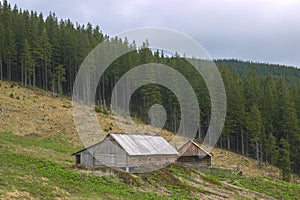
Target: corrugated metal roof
(144, 144)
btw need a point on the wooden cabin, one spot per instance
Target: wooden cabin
(191, 154)
(128, 152)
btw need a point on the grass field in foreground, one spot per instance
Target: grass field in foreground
(41, 168)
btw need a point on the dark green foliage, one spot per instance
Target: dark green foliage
(284, 160)
(31, 48)
(254, 126)
(243, 68)
(271, 150)
(272, 116)
(235, 117)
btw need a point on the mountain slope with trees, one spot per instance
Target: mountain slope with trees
(37, 164)
(263, 113)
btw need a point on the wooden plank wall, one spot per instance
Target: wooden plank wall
(110, 153)
(190, 149)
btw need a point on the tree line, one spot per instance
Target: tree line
(263, 119)
(263, 100)
(43, 52)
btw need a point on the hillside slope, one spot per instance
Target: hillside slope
(38, 137)
(35, 112)
(32, 168)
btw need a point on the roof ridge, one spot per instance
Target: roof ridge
(134, 134)
(201, 148)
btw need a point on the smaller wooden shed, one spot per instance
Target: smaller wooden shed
(193, 155)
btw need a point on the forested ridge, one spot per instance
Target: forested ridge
(243, 68)
(263, 100)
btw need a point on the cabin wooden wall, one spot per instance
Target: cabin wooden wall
(110, 153)
(85, 158)
(195, 161)
(162, 160)
(191, 155)
(190, 149)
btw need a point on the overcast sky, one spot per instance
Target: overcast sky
(257, 30)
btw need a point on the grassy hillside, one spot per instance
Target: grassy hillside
(33, 168)
(35, 112)
(36, 161)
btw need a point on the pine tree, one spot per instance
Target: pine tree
(271, 150)
(295, 150)
(235, 107)
(9, 55)
(46, 56)
(254, 125)
(252, 95)
(57, 80)
(269, 114)
(288, 122)
(252, 90)
(284, 161)
(36, 48)
(1, 49)
(269, 105)
(27, 62)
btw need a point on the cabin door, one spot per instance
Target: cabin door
(78, 159)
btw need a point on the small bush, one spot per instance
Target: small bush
(65, 106)
(98, 109)
(13, 85)
(11, 95)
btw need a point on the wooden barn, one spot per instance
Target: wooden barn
(128, 152)
(193, 155)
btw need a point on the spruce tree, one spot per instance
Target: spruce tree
(27, 62)
(271, 150)
(254, 126)
(284, 161)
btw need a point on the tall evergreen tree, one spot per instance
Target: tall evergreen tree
(284, 161)
(271, 149)
(252, 90)
(1, 48)
(46, 56)
(58, 78)
(235, 107)
(254, 126)
(27, 63)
